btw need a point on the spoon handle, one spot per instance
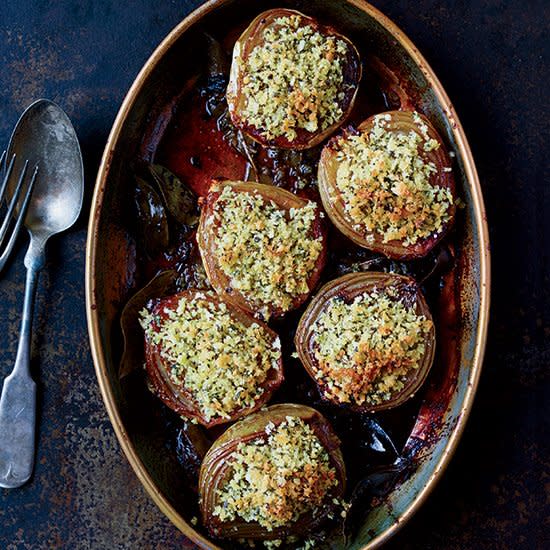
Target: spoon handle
(18, 402)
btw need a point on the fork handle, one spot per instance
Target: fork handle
(18, 401)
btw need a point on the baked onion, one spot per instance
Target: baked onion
(293, 81)
(207, 360)
(367, 340)
(388, 185)
(263, 248)
(252, 487)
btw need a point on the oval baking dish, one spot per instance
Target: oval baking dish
(111, 264)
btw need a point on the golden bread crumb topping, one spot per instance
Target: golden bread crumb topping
(365, 349)
(268, 253)
(293, 79)
(277, 477)
(218, 359)
(385, 183)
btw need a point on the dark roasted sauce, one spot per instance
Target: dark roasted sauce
(194, 148)
(200, 144)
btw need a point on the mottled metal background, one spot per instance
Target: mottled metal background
(492, 57)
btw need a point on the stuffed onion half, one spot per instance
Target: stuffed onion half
(388, 185)
(263, 248)
(277, 473)
(293, 81)
(367, 340)
(207, 360)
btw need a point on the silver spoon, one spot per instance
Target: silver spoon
(45, 136)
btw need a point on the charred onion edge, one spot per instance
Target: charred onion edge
(206, 239)
(178, 398)
(216, 463)
(335, 209)
(352, 71)
(348, 287)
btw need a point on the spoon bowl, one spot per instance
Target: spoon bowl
(45, 136)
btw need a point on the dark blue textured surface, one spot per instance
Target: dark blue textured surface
(492, 57)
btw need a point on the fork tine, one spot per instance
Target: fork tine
(13, 202)
(7, 176)
(20, 217)
(2, 158)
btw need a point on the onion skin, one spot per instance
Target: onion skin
(206, 238)
(178, 398)
(401, 121)
(215, 467)
(348, 287)
(250, 38)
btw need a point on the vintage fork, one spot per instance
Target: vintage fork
(12, 224)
